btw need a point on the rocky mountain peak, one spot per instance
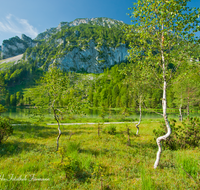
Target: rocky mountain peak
(101, 21)
(16, 46)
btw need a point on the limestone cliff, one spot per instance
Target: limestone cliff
(92, 59)
(84, 45)
(16, 46)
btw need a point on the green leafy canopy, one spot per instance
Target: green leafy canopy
(162, 26)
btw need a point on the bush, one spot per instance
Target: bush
(110, 130)
(74, 166)
(5, 129)
(191, 133)
(171, 142)
(185, 136)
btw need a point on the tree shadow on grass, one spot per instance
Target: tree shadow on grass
(143, 145)
(35, 131)
(93, 152)
(38, 131)
(16, 147)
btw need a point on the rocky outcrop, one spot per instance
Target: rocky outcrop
(69, 46)
(28, 40)
(16, 46)
(95, 21)
(102, 21)
(92, 59)
(73, 51)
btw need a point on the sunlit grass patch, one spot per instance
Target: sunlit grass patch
(89, 161)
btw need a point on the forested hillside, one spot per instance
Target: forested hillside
(98, 42)
(116, 87)
(112, 89)
(83, 48)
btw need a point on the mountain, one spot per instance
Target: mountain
(84, 45)
(105, 22)
(16, 46)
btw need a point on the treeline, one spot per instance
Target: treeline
(111, 90)
(22, 74)
(16, 99)
(115, 88)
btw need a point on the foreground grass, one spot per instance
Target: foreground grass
(87, 161)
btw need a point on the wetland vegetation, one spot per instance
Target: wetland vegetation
(158, 87)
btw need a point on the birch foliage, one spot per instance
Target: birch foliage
(160, 43)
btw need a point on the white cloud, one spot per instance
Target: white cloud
(17, 26)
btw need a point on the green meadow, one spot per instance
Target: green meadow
(97, 156)
(96, 78)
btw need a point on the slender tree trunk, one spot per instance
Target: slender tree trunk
(164, 106)
(128, 133)
(137, 126)
(188, 108)
(181, 117)
(99, 129)
(180, 110)
(164, 137)
(56, 118)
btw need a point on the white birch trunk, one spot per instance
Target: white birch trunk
(164, 106)
(58, 135)
(137, 126)
(59, 131)
(164, 137)
(188, 110)
(180, 112)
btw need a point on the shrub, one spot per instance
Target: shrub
(5, 129)
(191, 133)
(74, 166)
(171, 142)
(110, 130)
(185, 136)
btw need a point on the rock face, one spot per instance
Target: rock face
(15, 46)
(84, 45)
(92, 59)
(73, 51)
(28, 40)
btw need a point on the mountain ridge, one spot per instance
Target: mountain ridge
(15, 46)
(101, 21)
(86, 45)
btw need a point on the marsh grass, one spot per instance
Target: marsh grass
(88, 161)
(146, 180)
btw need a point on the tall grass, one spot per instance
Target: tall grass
(147, 182)
(87, 161)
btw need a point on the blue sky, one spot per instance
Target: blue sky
(33, 17)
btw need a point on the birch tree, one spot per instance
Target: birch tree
(138, 85)
(54, 86)
(186, 89)
(159, 42)
(56, 91)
